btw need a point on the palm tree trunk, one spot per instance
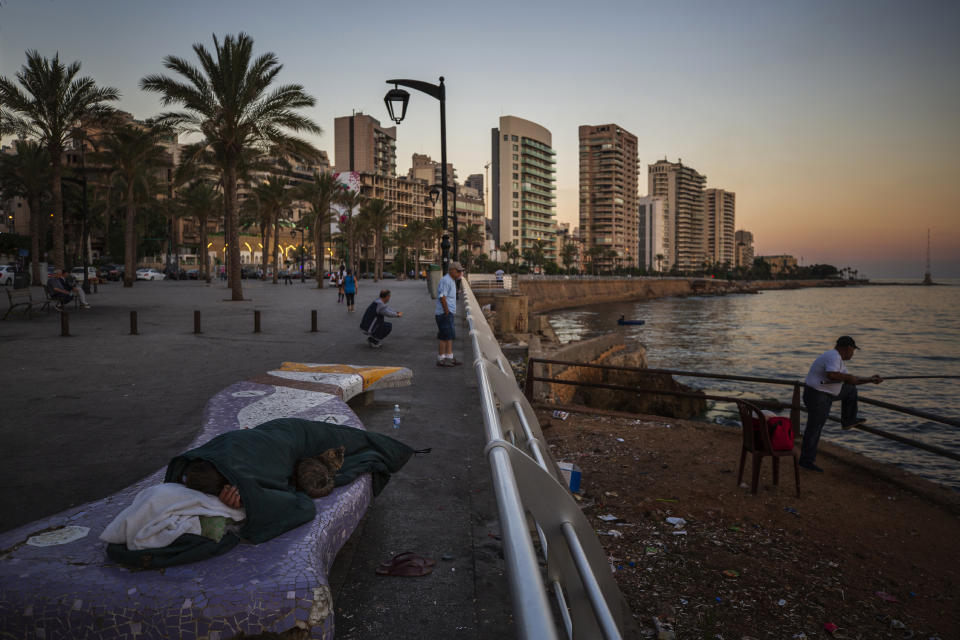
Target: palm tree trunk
(130, 233)
(276, 247)
(318, 243)
(233, 236)
(265, 248)
(204, 254)
(56, 191)
(34, 205)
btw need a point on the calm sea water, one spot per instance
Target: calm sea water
(902, 330)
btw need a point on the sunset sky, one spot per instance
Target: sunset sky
(837, 124)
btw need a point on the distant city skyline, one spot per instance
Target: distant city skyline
(834, 123)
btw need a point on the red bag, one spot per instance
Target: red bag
(781, 431)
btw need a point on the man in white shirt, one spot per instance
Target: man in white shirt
(828, 379)
(445, 312)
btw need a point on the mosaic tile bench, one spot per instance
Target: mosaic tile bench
(56, 580)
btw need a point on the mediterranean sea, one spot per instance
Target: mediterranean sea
(901, 329)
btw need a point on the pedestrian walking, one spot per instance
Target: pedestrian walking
(340, 277)
(349, 288)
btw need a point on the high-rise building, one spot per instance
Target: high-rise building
(682, 190)
(720, 210)
(424, 168)
(744, 248)
(652, 253)
(408, 199)
(361, 144)
(608, 193)
(475, 181)
(522, 193)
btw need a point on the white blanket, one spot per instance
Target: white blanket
(162, 513)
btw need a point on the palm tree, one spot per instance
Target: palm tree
(611, 256)
(377, 214)
(134, 153)
(568, 255)
(402, 239)
(538, 251)
(27, 174)
(471, 236)
(274, 198)
(660, 258)
(435, 225)
(419, 233)
(351, 202)
(322, 193)
(200, 200)
(52, 101)
(595, 252)
(227, 100)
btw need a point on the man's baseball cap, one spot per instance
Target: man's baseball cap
(455, 265)
(846, 341)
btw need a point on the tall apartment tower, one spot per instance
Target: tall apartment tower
(608, 192)
(522, 193)
(423, 167)
(682, 189)
(651, 232)
(362, 145)
(475, 181)
(743, 243)
(720, 210)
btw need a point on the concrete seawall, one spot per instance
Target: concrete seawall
(548, 295)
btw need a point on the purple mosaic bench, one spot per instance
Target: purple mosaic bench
(56, 581)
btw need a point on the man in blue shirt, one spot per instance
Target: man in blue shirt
(445, 313)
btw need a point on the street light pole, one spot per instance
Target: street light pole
(401, 98)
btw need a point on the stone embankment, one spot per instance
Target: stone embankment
(548, 295)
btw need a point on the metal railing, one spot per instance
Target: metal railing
(794, 405)
(527, 483)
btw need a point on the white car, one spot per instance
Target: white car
(77, 274)
(150, 274)
(6, 274)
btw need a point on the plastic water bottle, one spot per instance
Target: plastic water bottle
(396, 416)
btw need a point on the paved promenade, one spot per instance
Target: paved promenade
(84, 416)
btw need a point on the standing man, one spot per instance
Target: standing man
(374, 323)
(445, 313)
(828, 379)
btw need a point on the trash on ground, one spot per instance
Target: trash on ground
(829, 627)
(620, 440)
(664, 629)
(781, 602)
(886, 597)
(731, 573)
(608, 517)
(667, 500)
(682, 532)
(791, 510)
(562, 415)
(611, 532)
(677, 522)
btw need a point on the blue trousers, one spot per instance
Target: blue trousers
(818, 408)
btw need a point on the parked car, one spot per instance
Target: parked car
(251, 273)
(6, 274)
(387, 275)
(193, 274)
(77, 274)
(109, 272)
(173, 273)
(150, 274)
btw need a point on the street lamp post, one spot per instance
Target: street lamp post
(398, 98)
(293, 234)
(434, 196)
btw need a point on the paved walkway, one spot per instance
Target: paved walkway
(84, 416)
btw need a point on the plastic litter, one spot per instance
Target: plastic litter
(682, 532)
(620, 440)
(664, 629)
(734, 528)
(667, 500)
(611, 532)
(608, 517)
(781, 602)
(829, 627)
(896, 624)
(677, 522)
(791, 510)
(731, 573)
(561, 415)
(886, 597)
(651, 551)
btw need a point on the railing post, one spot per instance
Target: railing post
(256, 321)
(313, 321)
(64, 323)
(528, 383)
(133, 323)
(196, 322)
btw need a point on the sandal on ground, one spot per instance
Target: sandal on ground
(408, 557)
(407, 569)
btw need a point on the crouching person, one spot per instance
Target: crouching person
(374, 323)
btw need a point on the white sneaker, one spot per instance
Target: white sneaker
(85, 305)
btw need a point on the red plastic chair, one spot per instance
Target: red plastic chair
(757, 442)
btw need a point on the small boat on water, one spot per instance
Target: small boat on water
(622, 321)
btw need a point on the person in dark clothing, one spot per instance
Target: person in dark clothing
(58, 289)
(374, 323)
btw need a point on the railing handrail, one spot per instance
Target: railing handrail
(576, 563)
(795, 408)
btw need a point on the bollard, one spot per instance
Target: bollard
(313, 321)
(133, 323)
(256, 322)
(64, 324)
(196, 322)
